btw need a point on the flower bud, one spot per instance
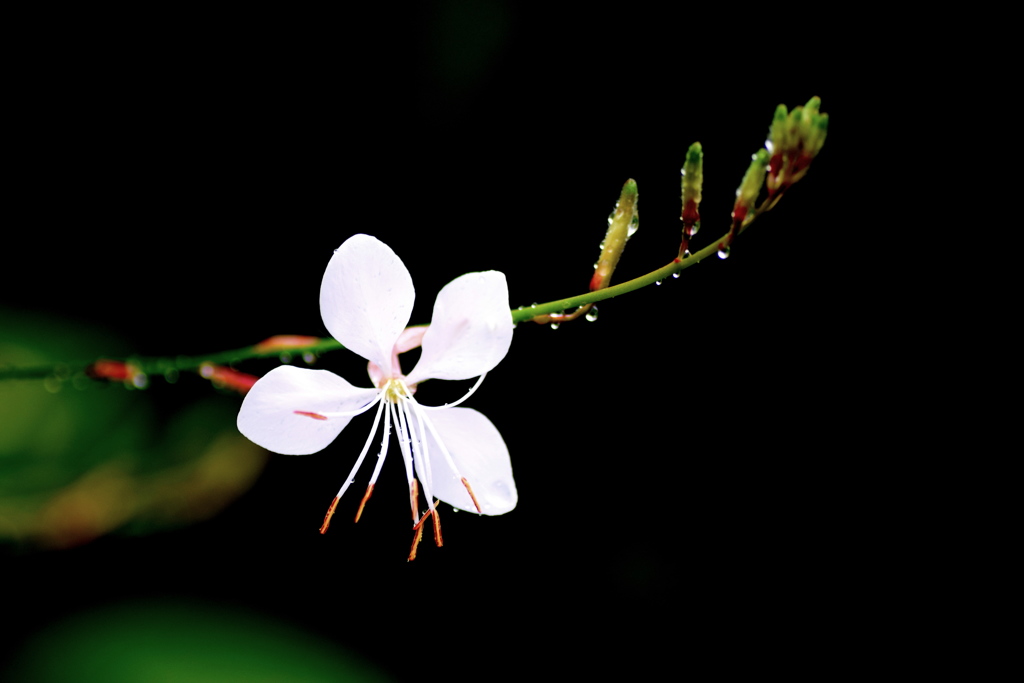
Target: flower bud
(692, 181)
(117, 371)
(228, 378)
(794, 139)
(746, 194)
(623, 221)
(284, 342)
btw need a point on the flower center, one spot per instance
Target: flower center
(395, 390)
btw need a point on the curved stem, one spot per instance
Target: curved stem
(677, 265)
(159, 366)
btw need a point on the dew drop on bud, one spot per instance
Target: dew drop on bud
(555, 326)
(723, 253)
(592, 314)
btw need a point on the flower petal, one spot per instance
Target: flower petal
(481, 456)
(268, 415)
(366, 297)
(471, 329)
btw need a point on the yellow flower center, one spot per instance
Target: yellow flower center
(394, 390)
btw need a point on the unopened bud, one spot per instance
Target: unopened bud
(692, 181)
(228, 378)
(746, 194)
(117, 371)
(794, 139)
(622, 223)
(284, 342)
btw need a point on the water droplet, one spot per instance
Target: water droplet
(555, 326)
(592, 314)
(723, 253)
(140, 380)
(286, 358)
(309, 357)
(533, 305)
(634, 225)
(675, 276)
(686, 253)
(171, 375)
(658, 282)
(694, 228)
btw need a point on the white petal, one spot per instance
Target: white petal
(471, 329)
(268, 415)
(366, 297)
(481, 456)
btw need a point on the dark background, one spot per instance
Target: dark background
(680, 463)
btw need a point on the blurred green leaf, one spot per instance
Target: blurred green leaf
(187, 643)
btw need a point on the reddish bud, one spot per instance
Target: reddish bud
(228, 378)
(285, 342)
(117, 371)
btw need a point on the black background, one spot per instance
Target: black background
(683, 480)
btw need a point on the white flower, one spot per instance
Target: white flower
(366, 299)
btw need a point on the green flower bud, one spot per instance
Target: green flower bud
(622, 223)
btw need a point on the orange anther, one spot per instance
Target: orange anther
(414, 496)
(472, 495)
(437, 526)
(415, 543)
(327, 517)
(315, 416)
(362, 503)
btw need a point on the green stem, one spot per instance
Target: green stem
(159, 366)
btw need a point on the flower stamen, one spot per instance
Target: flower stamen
(447, 455)
(330, 513)
(414, 495)
(355, 468)
(436, 518)
(362, 503)
(472, 495)
(416, 538)
(472, 390)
